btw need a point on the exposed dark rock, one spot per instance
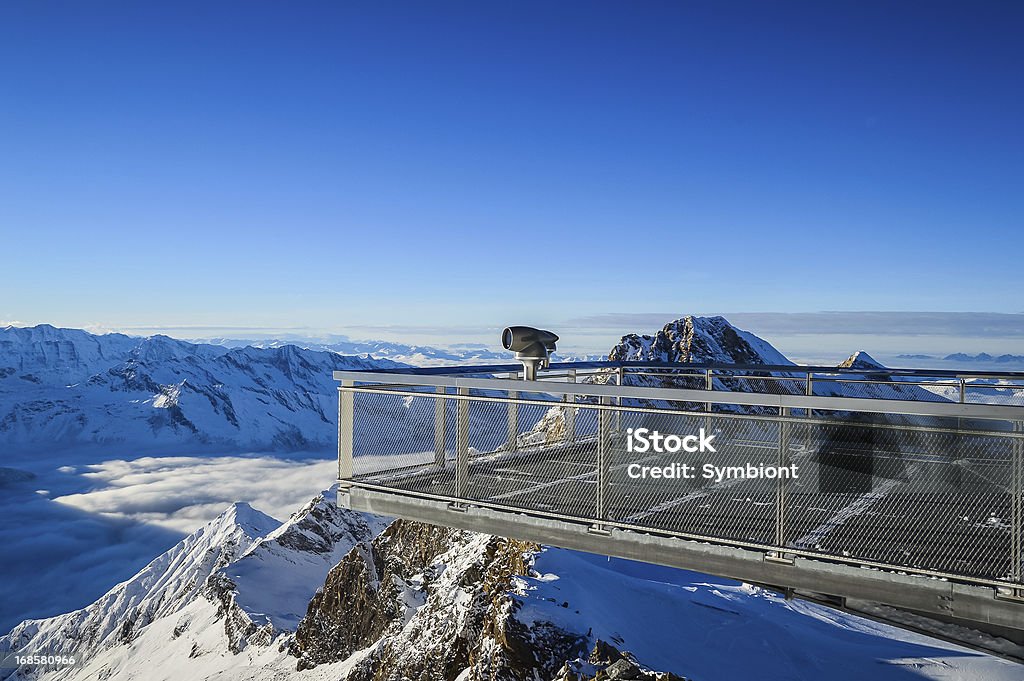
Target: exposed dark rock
(431, 602)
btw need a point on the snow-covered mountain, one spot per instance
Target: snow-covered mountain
(984, 358)
(334, 594)
(66, 387)
(416, 355)
(713, 340)
(422, 602)
(255, 573)
(163, 587)
(698, 340)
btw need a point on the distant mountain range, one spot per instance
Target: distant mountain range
(64, 387)
(964, 358)
(67, 387)
(414, 355)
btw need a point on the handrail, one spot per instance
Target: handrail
(798, 369)
(817, 402)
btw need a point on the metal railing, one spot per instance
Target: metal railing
(886, 470)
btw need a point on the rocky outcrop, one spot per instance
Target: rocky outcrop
(431, 602)
(697, 339)
(608, 663)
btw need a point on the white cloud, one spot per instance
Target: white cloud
(182, 493)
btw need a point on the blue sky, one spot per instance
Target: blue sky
(337, 167)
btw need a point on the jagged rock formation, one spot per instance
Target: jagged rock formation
(430, 602)
(697, 340)
(608, 663)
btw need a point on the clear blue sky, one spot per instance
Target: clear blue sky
(346, 165)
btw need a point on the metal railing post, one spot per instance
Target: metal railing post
(513, 417)
(439, 428)
(621, 379)
(604, 447)
(709, 384)
(780, 484)
(462, 446)
(346, 429)
(1017, 507)
(570, 412)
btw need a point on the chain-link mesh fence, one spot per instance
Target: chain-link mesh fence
(927, 494)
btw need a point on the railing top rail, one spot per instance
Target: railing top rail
(819, 402)
(798, 369)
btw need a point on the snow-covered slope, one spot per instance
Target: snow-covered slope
(424, 602)
(68, 387)
(304, 548)
(250, 574)
(167, 584)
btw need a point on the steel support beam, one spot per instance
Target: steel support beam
(969, 603)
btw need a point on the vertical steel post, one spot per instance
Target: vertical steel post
(780, 483)
(709, 384)
(808, 413)
(604, 454)
(570, 411)
(513, 417)
(620, 381)
(440, 418)
(462, 445)
(963, 399)
(346, 429)
(1017, 507)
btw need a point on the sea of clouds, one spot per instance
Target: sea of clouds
(74, 526)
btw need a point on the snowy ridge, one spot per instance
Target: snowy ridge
(68, 388)
(161, 588)
(231, 570)
(418, 601)
(304, 548)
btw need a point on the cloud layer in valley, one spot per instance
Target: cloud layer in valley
(82, 528)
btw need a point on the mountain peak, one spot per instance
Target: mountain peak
(253, 522)
(698, 340)
(861, 360)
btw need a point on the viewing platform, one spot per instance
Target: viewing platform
(891, 486)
